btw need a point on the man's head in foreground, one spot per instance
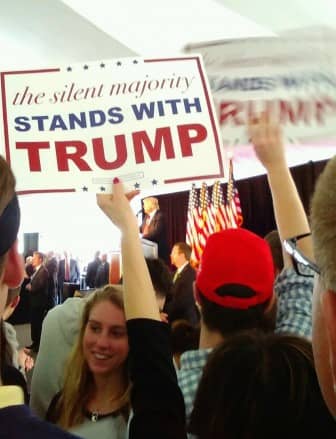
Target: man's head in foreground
(234, 285)
(323, 223)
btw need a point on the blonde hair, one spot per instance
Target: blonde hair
(78, 382)
(7, 191)
(323, 224)
(153, 201)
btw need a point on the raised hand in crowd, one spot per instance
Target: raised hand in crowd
(151, 366)
(291, 219)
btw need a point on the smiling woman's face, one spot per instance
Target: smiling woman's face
(105, 341)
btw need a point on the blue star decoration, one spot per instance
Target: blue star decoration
(119, 63)
(85, 67)
(84, 189)
(102, 188)
(69, 69)
(102, 65)
(154, 182)
(137, 185)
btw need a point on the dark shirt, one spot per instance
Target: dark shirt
(156, 399)
(18, 422)
(102, 276)
(91, 273)
(181, 303)
(157, 232)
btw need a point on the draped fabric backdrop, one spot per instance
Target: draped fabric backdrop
(255, 198)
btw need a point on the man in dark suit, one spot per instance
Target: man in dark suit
(154, 226)
(92, 271)
(103, 272)
(68, 271)
(51, 265)
(182, 304)
(39, 295)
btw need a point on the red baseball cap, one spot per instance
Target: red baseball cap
(236, 256)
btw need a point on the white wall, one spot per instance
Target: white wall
(70, 222)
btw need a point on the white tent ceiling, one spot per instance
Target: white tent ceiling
(76, 30)
(151, 27)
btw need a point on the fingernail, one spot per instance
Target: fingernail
(116, 180)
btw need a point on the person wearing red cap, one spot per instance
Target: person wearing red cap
(235, 287)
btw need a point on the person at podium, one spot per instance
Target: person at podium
(154, 226)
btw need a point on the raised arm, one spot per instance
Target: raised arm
(156, 399)
(289, 213)
(139, 295)
(294, 292)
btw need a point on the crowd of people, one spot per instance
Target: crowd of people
(243, 348)
(49, 279)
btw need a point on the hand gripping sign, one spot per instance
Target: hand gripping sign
(148, 121)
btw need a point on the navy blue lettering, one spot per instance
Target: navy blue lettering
(22, 123)
(195, 103)
(115, 115)
(75, 120)
(143, 110)
(57, 122)
(40, 121)
(97, 118)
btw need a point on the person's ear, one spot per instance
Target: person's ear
(328, 304)
(14, 268)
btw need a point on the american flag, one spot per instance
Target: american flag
(192, 233)
(207, 222)
(233, 206)
(222, 221)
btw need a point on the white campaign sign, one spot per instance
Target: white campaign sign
(293, 79)
(148, 121)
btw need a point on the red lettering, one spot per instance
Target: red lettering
(288, 112)
(186, 138)
(229, 110)
(141, 141)
(330, 105)
(320, 112)
(63, 156)
(33, 149)
(251, 110)
(99, 155)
